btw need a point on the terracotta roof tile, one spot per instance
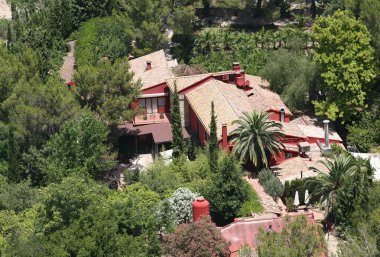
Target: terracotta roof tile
(318, 132)
(158, 74)
(200, 100)
(264, 99)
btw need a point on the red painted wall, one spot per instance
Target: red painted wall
(192, 121)
(275, 116)
(157, 89)
(193, 126)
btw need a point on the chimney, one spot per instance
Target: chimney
(148, 65)
(224, 136)
(235, 66)
(282, 114)
(326, 127)
(201, 207)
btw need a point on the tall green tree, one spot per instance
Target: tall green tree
(9, 37)
(178, 141)
(364, 133)
(80, 147)
(108, 89)
(293, 75)
(213, 144)
(255, 137)
(227, 193)
(346, 59)
(37, 110)
(14, 171)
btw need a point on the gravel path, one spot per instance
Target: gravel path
(270, 206)
(67, 69)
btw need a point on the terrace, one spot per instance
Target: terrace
(151, 118)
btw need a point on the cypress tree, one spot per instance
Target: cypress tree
(213, 145)
(176, 125)
(191, 151)
(13, 158)
(9, 38)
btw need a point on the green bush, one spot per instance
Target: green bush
(272, 185)
(109, 37)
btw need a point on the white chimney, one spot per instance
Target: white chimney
(282, 114)
(326, 127)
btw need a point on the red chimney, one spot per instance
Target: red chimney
(201, 207)
(148, 65)
(224, 136)
(235, 66)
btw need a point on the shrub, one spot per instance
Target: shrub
(200, 238)
(272, 185)
(297, 238)
(181, 203)
(247, 251)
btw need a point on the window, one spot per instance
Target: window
(142, 103)
(162, 102)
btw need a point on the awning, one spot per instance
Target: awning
(161, 132)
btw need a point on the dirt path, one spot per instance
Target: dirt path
(67, 69)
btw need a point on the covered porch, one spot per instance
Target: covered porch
(143, 139)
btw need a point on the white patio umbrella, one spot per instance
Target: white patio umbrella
(307, 197)
(296, 199)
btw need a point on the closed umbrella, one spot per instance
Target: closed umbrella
(296, 199)
(307, 197)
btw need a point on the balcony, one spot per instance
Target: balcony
(152, 118)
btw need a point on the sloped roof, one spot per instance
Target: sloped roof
(264, 99)
(185, 81)
(229, 101)
(318, 132)
(158, 74)
(212, 91)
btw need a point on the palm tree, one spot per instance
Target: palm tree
(256, 136)
(324, 187)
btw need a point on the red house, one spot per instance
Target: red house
(233, 92)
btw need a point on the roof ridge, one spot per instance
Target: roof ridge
(189, 76)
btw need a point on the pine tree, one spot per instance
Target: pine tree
(176, 126)
(213, 145)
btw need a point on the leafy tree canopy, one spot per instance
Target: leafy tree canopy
(108, 89)
(347, 65)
